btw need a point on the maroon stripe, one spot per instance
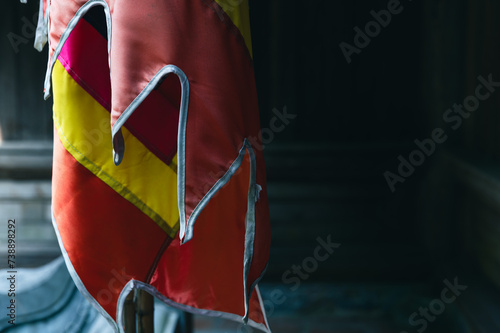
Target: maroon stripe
(85, 58)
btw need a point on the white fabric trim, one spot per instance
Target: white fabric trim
(41, 35)
(249, 227)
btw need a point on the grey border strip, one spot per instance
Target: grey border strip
(78, 282)
(135, 284)
(217, 186)
(64, 37)
(253, 192)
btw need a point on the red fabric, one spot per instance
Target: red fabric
(181, 268)
(101, 231)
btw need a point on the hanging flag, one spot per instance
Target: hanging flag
(156, 183)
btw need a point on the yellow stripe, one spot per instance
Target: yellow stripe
(238, 12)
(84, 128)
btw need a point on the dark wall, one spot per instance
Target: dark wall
(23, 113)
(460, 193)
(299, 63)
(355, 117)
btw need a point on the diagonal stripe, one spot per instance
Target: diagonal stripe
(84, 56)
(83, 127)
(238, 12)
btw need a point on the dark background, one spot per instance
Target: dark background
(355, 119)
